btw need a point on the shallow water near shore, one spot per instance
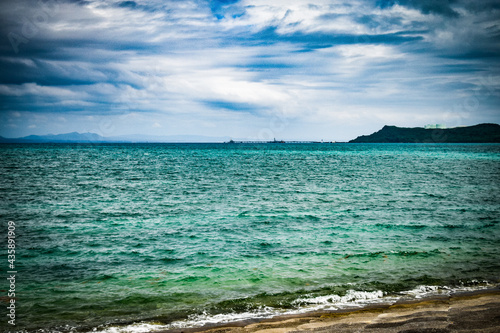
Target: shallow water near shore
(179, 235)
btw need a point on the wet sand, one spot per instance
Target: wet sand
(465, 312)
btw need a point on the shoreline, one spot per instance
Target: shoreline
(469, 311)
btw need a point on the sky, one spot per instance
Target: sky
(247, 69)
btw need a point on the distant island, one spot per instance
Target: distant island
(482, 133)
(52, 138)
(75, 137)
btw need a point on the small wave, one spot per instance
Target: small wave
(423, 254)
(349, 300)
(489, 225)
(169, 259)
(452, 226)
(268, 245)
(133, 328)
(400, 226)
(335, 302)
(392, 253)
(206, 318)
(427, 291)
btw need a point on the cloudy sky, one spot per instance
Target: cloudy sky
(255, 69)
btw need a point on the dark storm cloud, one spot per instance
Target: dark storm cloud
(311, 41)
(441, 7)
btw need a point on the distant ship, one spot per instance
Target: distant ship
(276, 141)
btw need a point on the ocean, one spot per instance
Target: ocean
(139, 237)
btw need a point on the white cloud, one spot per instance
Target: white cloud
(26, 89)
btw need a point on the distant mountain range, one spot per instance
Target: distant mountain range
(68, 137)
(76, 137)
(482, 133)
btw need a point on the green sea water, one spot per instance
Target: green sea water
(110, 237)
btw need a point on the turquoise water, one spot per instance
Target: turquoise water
(178, 235)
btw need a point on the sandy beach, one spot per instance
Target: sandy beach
(464, 312)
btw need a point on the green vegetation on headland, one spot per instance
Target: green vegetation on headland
(482, 133)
